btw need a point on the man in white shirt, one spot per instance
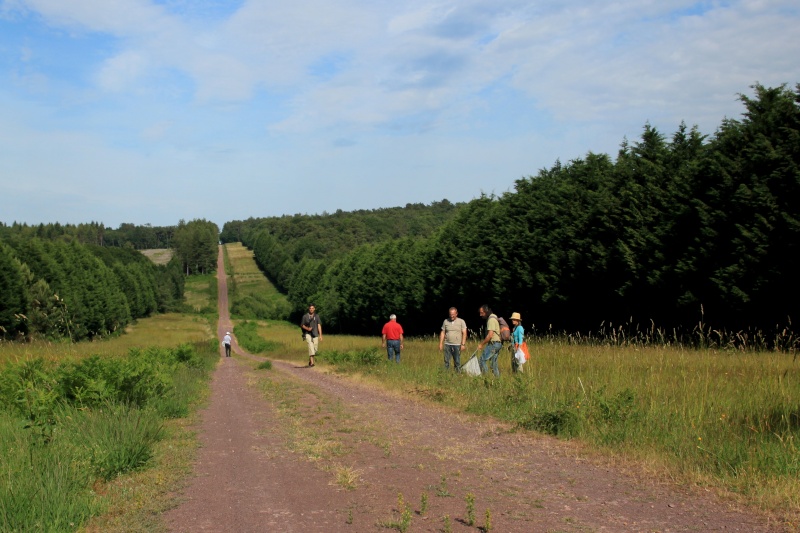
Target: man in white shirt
(226, 340)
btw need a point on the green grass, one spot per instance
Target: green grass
(724, 419)
(200, 294)
(247, 336)
(75, 423)
(251, 294)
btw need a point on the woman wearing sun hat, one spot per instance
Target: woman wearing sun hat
(517, 338)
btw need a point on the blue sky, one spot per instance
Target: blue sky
(154, 111)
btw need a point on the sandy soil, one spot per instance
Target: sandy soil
(252, 475)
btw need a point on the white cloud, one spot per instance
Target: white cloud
(122, 71)
(274, 90)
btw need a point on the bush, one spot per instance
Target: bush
(366, 357)
(63, 426)
(562, 422)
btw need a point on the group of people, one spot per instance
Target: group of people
(452, 339)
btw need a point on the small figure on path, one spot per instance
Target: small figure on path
(313, 328)
(226, 341)
(518, 339)
(491, 344)
(392, 335)
(453, 339)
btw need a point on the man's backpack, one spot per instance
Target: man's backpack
(505, 331)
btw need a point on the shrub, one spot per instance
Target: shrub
(561, 421)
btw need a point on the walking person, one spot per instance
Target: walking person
(392, 336)
(453, 339)
(226, 341)
(313, 328)
(517, 338)
(491, 344)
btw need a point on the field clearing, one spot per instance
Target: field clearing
(251, 294)
(159, 256)
(200, 293)
(727, 421)
(165, 331)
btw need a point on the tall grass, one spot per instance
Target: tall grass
(724, 418)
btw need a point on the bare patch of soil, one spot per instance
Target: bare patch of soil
(298, 449)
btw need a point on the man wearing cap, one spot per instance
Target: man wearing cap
(226, 340)
(392, 336)
(453, 339)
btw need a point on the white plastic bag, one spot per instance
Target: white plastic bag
(519, 356)
(472, 367)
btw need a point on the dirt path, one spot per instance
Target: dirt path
(271, 455)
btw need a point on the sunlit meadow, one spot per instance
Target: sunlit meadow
(716, 418)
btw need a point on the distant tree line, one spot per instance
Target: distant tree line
(674, 232)
(281, 244)
(194, 242)
(71, 281)
(56, 289)
(127, 235)
(196, 246)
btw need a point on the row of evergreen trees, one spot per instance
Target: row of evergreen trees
(127, 235)
(195, 244)
(281, 243)
(674, 232)
(57, 289)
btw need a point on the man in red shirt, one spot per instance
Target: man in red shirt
(393, 338)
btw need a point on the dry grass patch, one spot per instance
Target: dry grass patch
(346, 477)
(159, 256)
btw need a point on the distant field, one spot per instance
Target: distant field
(200, 293)
(252, 295)
(159, 256)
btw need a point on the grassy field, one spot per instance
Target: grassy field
(722, 420)
(166, 331)
(159, 256)
(251, 294)
(200, 294)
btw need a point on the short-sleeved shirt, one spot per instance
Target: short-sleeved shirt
(453, 331)
(494, 326)
(518, 334)
(314, 322)
(392, 330)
